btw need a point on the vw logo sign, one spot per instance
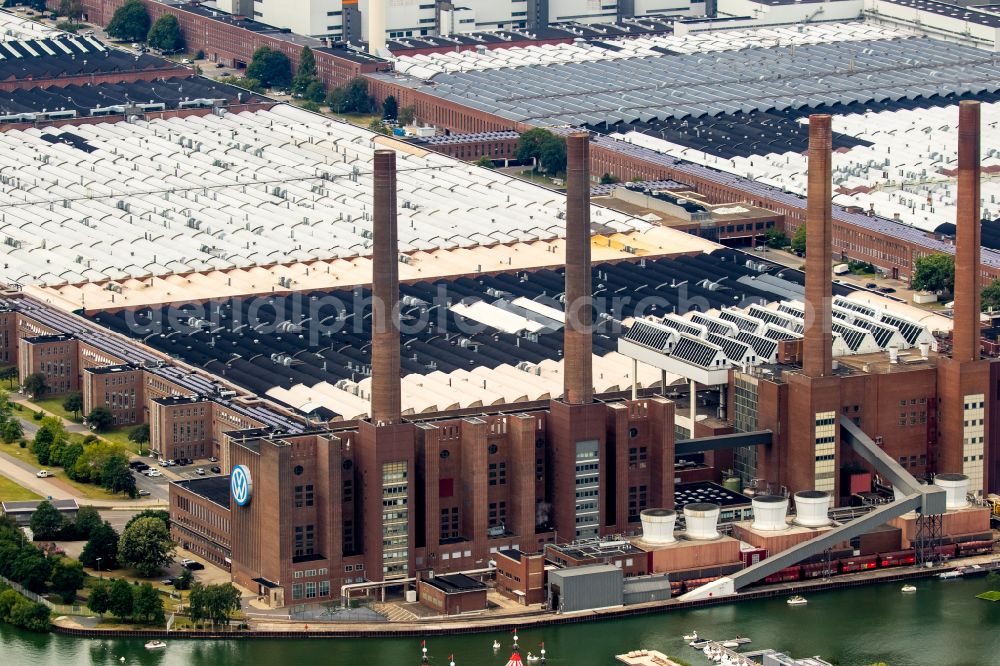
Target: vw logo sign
(240, 485)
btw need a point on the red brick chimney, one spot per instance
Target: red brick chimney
(965, 336)
(817, 344)
(386, 402)
(578, 386)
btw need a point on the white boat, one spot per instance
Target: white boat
(797, 601)
(909, 588)
(700, 644)
(693, 636)
(730, 645)
(496, 646)
(951, 575)
(155, 645)
(531, 657)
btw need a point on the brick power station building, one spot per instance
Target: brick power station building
(388, 498)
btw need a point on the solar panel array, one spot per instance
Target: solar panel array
(113, 201)
(675, 86)
(427, 66)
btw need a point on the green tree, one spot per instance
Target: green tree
(10, 374)
(146, 546)
(608, 179)
(30, 615)
(406, 115)
(40, 445)
(100, 419)
(991, 295)
(184, 580)
(31, 568)
(484, 162)
(272, 68)
(73, 404)
(35, 384)
(70, 454)
(11, 431)
(117, 477)
(166, 35)
(46, 522)
(306, 75)
(546, 149)
(390, 109)
(351, 98)
(252, 85)
(100, 597)
(775, 238)
(934, 272)
(121, 599)
(8, 599)
(130, 22)
(215, 603)
(71, 9)
(160, 514)
(87, 520)
(139, 434)
(553, 156)
(378, 126)
(315, 93)
(148, 604)
(103, 544)
(799, 239)
(67, 578)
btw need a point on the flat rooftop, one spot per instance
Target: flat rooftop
(707, 491)
(594, 550)
(455, 583)
(213, 488)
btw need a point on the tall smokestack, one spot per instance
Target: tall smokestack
(386, 406)
(817, 345)
(578, 388)
(965, 343)
(376, 26)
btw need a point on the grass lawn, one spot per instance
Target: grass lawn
(11, 492)
(88, 490)
(359, 119)
(992, 595)
(54, 406)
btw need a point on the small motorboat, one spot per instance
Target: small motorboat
(496, 646)
(700, 644)
(693, 636)
(951, 575)
(796, 601)
(909, 588)
(731, 645)
(155, 645)
(531, 657)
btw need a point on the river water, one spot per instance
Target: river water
(943, 624)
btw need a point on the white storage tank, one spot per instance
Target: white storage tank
(658, 525)
(956, 488)
(769, 513)
(702, 519)
(811, 508)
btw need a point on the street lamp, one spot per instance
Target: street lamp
(99, 574)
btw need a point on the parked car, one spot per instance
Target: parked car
(153, 472)
(44, 474)
(220, 65)
(887, 290)
(141, 467)
(200, 471)
(216, 470)
(143, 493)
(871, 285)
(186, 61)
(171, 463)
(191, 565)
(213, 459)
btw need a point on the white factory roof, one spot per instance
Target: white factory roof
(211, 193)
(14, 27)
(427, 66)
(908, 171)
(477, 387)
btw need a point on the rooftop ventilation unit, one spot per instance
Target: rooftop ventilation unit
(658, 526)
